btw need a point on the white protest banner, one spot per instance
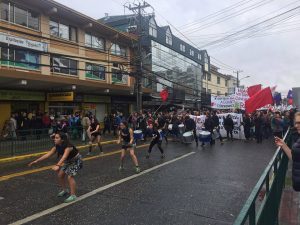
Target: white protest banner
(238, 130)
(234, 101)
(199, 122)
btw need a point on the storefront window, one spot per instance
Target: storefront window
(54, 28)
(118, 77)
(4, 11)
(19, 15)
(94, 71)
(20, 58)
(118, 50)
(63, 31)
(63, 65)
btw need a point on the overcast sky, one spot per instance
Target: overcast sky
(270, 59)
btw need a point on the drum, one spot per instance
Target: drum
(215, 134)
(138, 134)
(204, 136)
(188, 137)
(181, 128)
(170, 127)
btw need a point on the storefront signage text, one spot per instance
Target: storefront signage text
(21, 95)
(60, 97)
(13, 40)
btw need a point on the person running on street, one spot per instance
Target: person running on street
(127, 140)
(69, 164)
(156, 140)
(94, 135)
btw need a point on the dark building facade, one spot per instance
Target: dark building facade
(167, 61)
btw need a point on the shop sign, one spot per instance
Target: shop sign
(21, 95)
(60, 97)
(88, 106)
(96, 98)
(25, 43)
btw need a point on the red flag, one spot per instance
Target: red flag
(253, 89)
(164, 95)
(260, 99)
(290, 101)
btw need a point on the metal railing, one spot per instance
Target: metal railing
(33, 140)
(262, 206)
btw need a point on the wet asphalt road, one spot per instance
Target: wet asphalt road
(208, 187)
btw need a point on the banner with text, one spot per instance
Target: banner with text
(234, 101)
(238, 130)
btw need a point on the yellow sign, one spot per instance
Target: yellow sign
(60, 97)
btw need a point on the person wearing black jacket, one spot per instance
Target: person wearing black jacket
(209, 126)
(107, 123)
(216, 122)
(293, 153)
(156, 140)
(258, 123)
(247, 126)
(229, 125)
(190, 125)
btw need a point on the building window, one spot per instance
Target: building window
(169, 36)
(118, 50)
(63, 31)
(209, 91)
(94, 71)
(199, 56)
(118, 77)
(18, 15)
(226, 83)
(218, 80)
(192, 53)
(182, 47)
(209, 77)
(20, 58)
(63, 65)
(218, 93)
(204, 77)
(152, 28)
(94, 42)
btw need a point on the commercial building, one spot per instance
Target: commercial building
(54, 59)
(215, 82)
(167, 60)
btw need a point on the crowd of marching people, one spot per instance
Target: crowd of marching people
(181, 126)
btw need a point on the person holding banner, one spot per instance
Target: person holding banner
(216, 121)
(229, 125)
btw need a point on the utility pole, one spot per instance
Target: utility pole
(237, 77)
(139, 73)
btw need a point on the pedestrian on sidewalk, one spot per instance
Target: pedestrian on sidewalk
(106, 122)
(156, 140)
(127, 140)
(294, 152)
(85, 126)
(94, 135)
(69, 164)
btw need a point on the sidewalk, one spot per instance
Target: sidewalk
(289, 212)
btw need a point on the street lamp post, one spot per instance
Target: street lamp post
(238, 80)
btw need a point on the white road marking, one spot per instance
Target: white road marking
(94, 192)
(1, 198)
